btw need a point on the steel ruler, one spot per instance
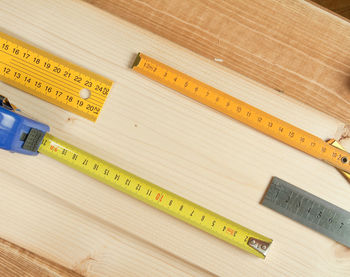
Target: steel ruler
(308, 210)
(241, 111)
(51, 78)
(156, 196)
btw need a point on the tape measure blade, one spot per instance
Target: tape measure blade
(241, 111)
(309, 210)
(51, 78)
(156, 196)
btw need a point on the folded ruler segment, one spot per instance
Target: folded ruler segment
(336, 144)
(241, 111)
(52, 79)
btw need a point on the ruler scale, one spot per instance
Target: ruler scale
(52, 79)
(156, 196)
(241, 111)
(308, 210)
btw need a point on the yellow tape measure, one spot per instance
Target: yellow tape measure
(243, 112)
(52, 79)
(156, 196)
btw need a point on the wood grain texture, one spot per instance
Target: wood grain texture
(292, 45)
(16, 261)
(341, 7)
(214, 161)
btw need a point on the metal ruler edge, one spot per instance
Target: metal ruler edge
(309, 210)
(156, 196)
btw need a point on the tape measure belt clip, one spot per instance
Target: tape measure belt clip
(19, 133)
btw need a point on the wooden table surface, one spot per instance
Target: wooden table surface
(292, 46)
(55, 221)
(341, 7)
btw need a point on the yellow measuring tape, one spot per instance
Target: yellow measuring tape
(156, 196)
(243, 112)
(51, 78)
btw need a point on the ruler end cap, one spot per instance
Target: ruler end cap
(137, 60)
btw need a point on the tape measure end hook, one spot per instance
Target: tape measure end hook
(259, 245)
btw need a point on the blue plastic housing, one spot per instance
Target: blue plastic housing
(13, 129)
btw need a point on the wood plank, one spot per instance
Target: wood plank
(78, 240)
(16, 261)
(66, 217)
(292, 46)
(341, 7)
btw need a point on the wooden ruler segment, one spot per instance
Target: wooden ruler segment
(51, 78)
(241, 111)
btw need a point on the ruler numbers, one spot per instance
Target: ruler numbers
(309, 210)
(220, 101)
(149, 193)
(48, 78)
(241, 111)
